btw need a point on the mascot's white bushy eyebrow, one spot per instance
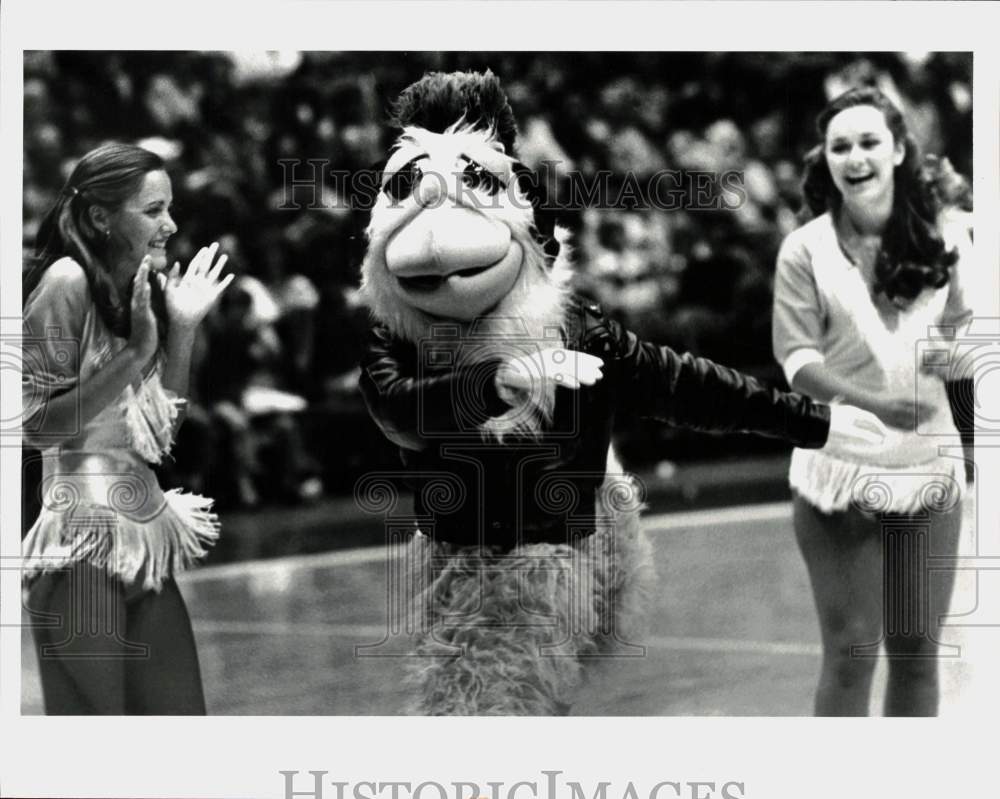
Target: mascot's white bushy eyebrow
(462, 138)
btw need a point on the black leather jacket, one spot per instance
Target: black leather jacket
(469, 490)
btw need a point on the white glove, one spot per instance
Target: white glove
(855, 431)
(531, 373)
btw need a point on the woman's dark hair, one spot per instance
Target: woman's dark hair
(913, 255)
(106, 176)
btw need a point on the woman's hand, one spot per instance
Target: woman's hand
(190, 296)
(144, 337)
(855, 430)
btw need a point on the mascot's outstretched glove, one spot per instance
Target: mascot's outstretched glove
(855, 432)
(528, 374)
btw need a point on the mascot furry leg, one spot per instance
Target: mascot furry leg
(517, 633)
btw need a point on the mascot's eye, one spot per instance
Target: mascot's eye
(476, 176)
(402, 182)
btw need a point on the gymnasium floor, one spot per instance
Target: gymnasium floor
(734, 631)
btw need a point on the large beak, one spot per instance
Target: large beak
(445, 240)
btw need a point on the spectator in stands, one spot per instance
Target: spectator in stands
(243, 383)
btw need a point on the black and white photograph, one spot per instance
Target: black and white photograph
(386, 402)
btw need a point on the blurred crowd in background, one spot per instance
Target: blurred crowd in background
(275, 415)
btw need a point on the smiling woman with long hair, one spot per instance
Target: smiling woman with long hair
(856, 290)
(108, 335)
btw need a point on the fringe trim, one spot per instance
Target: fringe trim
(833, 485)
(519, 633)
(151, 552)
(150, 415)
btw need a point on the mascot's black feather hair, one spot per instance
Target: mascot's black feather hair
(440, 99)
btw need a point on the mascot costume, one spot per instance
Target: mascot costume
(485, 369)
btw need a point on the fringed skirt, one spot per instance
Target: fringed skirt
(517, 633)
(112, 514)
(833, 483)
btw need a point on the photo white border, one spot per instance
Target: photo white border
(241, 756)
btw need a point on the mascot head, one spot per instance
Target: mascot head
(454, 234)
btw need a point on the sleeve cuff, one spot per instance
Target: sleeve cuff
(798, 359)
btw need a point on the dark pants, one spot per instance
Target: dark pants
(103, 650)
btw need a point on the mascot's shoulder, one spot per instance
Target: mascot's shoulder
(579, 305)
(589, 328)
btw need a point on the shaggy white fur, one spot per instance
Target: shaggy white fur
(520, 633)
